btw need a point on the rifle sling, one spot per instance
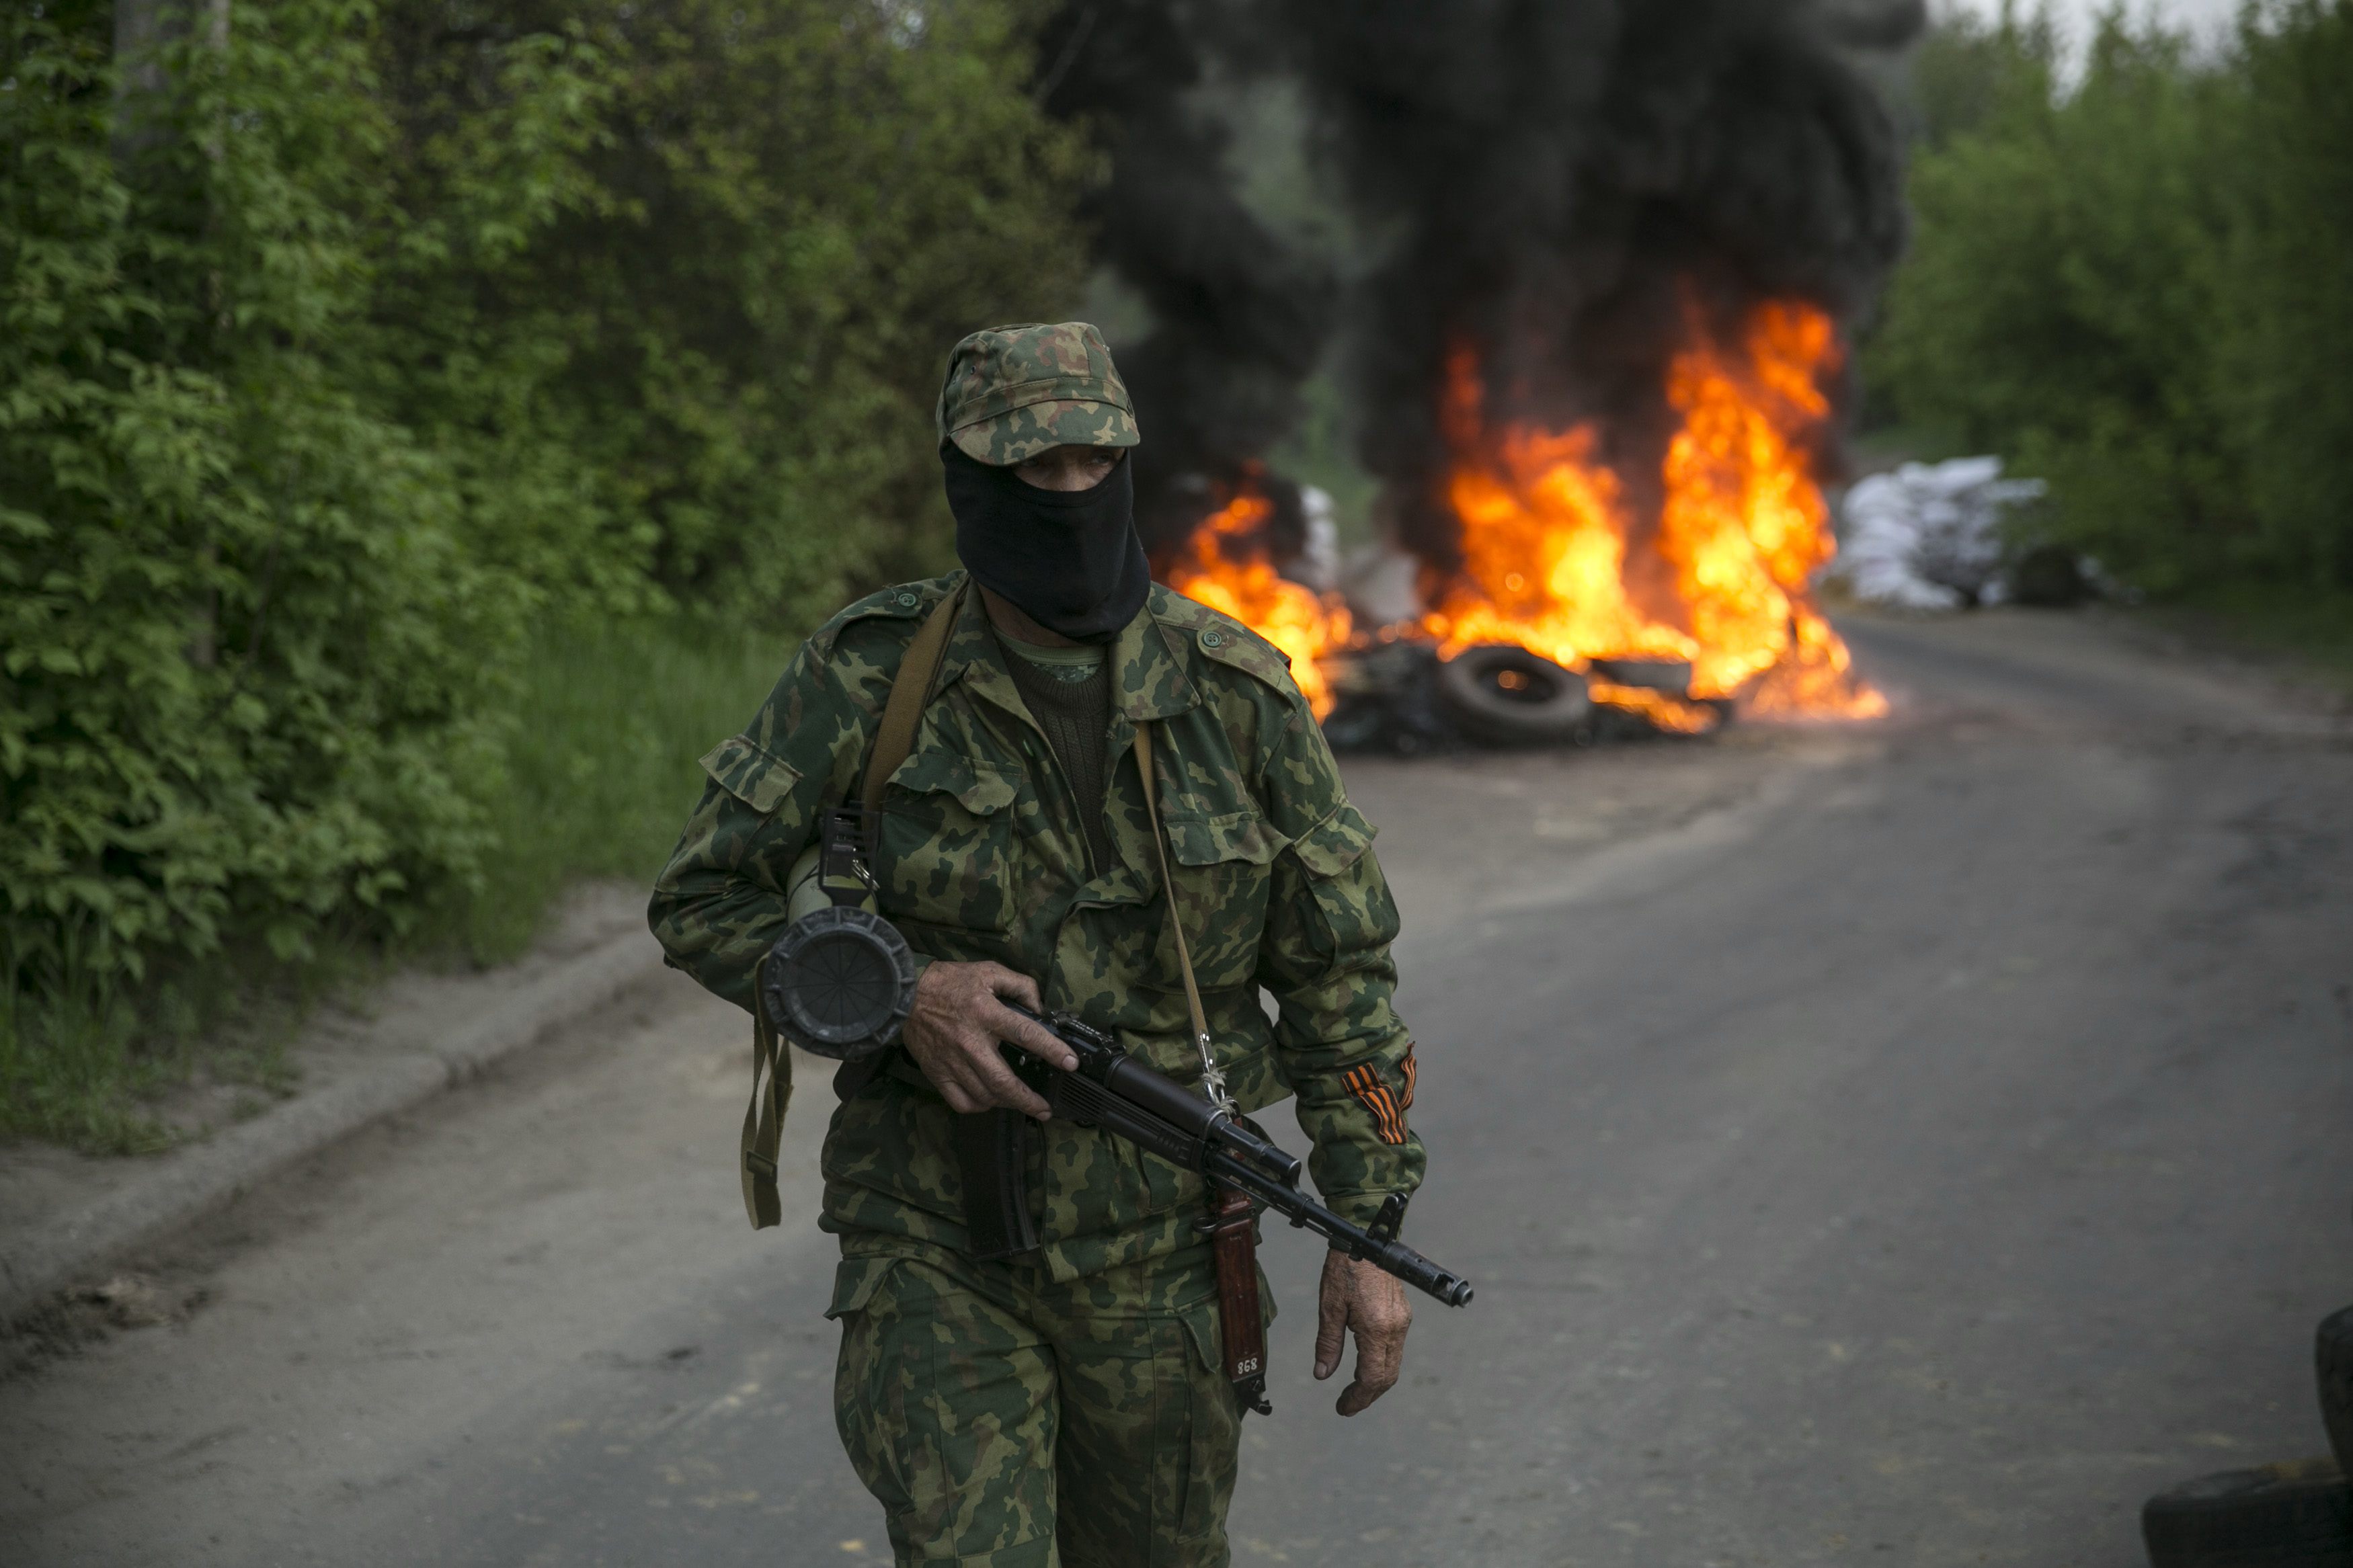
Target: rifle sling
(903, 709)
(1168, 885)
(771, 1062)
(764, 1118)
(1231, 1224)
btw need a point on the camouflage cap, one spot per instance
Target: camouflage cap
(1014, 392)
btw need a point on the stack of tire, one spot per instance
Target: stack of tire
(1499, 694)
(2293, 1515)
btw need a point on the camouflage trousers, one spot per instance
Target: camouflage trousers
(1004, 1421)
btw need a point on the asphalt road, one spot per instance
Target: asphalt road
(1909, 1144)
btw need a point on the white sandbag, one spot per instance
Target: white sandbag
(1318, 564)
(1929, 536)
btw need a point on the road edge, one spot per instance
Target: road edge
(191, 1182)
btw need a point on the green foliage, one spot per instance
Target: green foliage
(2281, 387)
(1968, 71)
(753, 232)
(244, 652)
(616, 716)
(2136, 288)
(341, 366)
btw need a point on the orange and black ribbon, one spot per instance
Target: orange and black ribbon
(1389, 1112)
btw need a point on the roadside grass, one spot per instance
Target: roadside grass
(2310, 627)
(88, 1057)
(599, 777)
(603, 772)
(71, 1071)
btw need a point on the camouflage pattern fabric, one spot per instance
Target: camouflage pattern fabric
(1003, 1419)
(1014, 392)
(982, 856)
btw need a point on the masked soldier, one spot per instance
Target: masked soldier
(1068, 1403)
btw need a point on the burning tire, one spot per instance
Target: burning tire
(2281, 1516)
(1672, 675)
(1506, 696)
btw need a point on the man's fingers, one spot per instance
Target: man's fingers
(1331, 1327)
(1014, 983)
(999, 1085)
(1039, 1042)
(963, 1078)
(969, 1065)
(1031, 1037)
(1360, 1301)
(1378, 1358)
(955, 1030)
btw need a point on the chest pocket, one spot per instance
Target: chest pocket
(1222, 879)
(947, 842)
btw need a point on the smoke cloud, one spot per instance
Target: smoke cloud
(1241, 317)
(1567, 187)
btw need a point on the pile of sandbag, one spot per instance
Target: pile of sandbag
(1929, 536)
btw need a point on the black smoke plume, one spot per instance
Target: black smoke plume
(1240, 318)
(1562, 187)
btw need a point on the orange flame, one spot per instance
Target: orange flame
(1547, 536)
(1745, 525)
(1741, 530)
(1228, 568)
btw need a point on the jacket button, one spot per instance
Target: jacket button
(907, 600)
(1213, 639)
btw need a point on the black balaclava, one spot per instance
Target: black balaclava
(1069, 560)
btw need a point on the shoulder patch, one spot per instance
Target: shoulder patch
(1221, 637)
(905, 602)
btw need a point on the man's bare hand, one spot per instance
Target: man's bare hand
(1359, 1299)
(954, 1029)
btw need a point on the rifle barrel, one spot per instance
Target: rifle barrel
(1387, 1255)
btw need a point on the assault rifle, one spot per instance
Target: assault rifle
(1112, 1090)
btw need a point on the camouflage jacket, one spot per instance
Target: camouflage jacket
(982, 857)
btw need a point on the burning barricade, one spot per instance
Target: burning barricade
(1570, 611)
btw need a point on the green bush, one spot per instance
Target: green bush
(248, 654)
(2134, 287)
(349, 369)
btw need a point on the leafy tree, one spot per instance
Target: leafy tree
(1967, 71)
(2284, 286)
(758, 228)
(2134, 287)
(245, 654)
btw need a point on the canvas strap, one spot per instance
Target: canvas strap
(910, 689)
(764, 1118)
(1213, 1082)
(771, 1062)
(1230, 1224)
